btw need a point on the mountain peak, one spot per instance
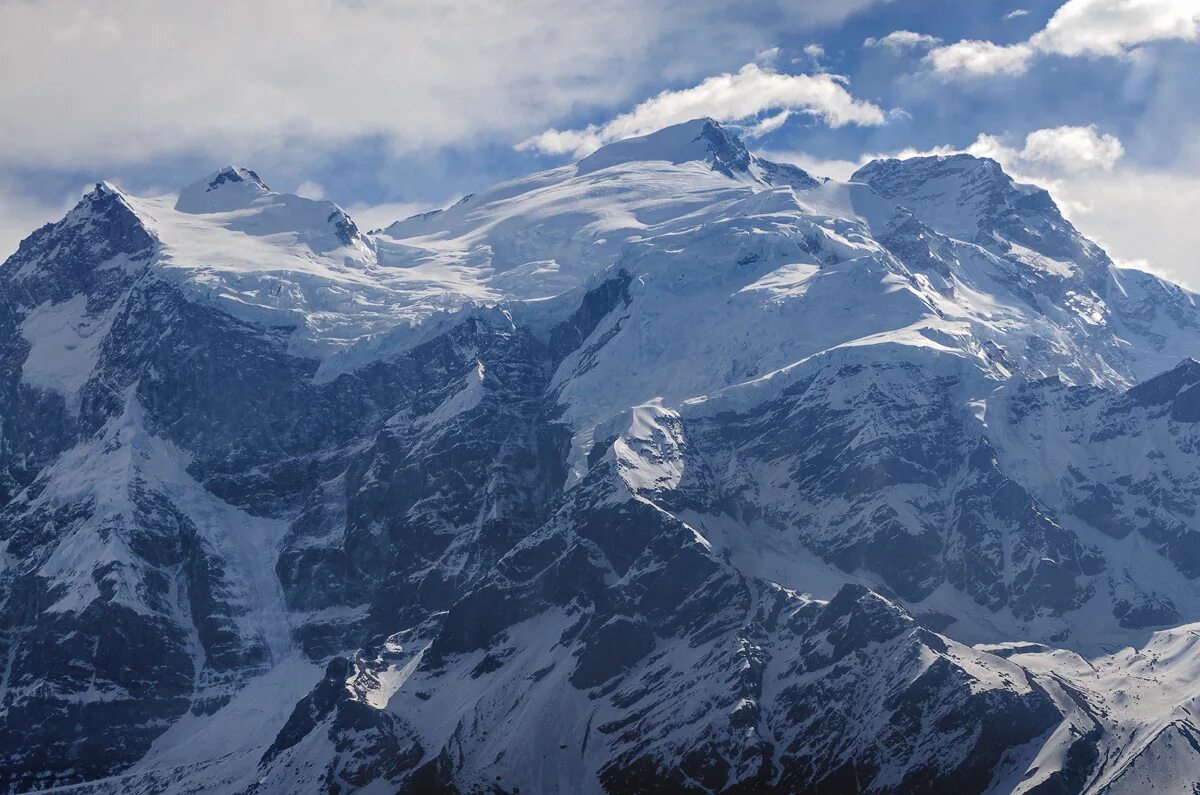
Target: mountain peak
(105, 200)
(703, 139)
(229, 188)
(1170, 386)
(62, 255)
(234, 174)
(105, 188)
(896, 178)
(973, 199)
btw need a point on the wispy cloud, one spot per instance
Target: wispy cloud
(899, 40)
(743, 95)
(1072, 150)
(767, 57)
(310, 190)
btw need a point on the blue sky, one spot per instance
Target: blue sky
(386, 107)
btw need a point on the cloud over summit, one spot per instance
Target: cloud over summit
(725, 97)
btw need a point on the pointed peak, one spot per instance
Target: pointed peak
(1188, 370)
(105, 188)
(103, 199)
(235, 174)
(104, 193)
(343, 226)
(229, 188)
(104, 223)
(1167, 386)
(713, 131)
(704, 140)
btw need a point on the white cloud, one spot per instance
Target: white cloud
(1073, 149)
(768, 125)
(1140, 216)
(1047, 155)
(310, 190)
(725, 97)
(228, 77)
(1112, 27)
(813, 59)
(1078, 28)
(973, 57)
(768, 56)
(899, 40)
(1016, 12)
(125, 81)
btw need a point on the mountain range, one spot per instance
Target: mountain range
(674, 469)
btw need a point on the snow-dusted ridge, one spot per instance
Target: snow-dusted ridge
(674, 467)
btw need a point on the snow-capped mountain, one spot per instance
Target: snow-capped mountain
(671, 470)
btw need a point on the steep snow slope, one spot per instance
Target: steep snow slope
(673, 468)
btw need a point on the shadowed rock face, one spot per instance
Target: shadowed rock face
(870, 558)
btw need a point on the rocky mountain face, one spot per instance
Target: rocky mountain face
(673, 470)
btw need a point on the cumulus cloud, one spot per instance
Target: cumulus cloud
(1078, 28)
(1072, 149)
(975, 57)
(725, 97)
(1113, 27)
(1016, 12)
(899, 40)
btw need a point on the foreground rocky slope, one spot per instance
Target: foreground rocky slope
(671, 470)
